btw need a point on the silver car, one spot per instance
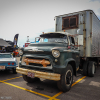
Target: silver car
(7, 62)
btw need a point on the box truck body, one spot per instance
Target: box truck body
(87, 27)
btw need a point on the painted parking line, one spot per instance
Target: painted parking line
(12, 78)
(43, 95)
(28, 90)
(78, 81)
(71, 86)
(53, 98)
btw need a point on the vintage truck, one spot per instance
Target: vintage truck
(58, 55)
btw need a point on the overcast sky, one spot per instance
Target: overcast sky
(32, 17)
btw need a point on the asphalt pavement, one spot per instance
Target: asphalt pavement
(13, 87)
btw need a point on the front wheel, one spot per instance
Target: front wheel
(66, 79)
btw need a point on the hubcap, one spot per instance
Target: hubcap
(68, 77)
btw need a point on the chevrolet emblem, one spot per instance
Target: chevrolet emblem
(35, 50)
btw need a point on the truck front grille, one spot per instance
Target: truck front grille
(41, 62)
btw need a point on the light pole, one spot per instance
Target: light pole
(27, 39)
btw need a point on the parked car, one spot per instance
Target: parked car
(7, 62)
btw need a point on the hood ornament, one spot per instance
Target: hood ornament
(35, 50)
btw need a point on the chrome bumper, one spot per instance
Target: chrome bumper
(39, 74)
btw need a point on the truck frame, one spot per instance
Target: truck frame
(87, 27)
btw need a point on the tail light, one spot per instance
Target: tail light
(12, 63)
(8, 63)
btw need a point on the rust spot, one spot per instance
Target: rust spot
(27, 62)
(68, 23)
(39, 74)
(42, 62)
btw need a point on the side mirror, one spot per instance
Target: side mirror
(78, 31)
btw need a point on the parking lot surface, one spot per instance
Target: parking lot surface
(13, 87)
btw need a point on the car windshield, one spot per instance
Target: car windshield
(55, 37)
(5, 56)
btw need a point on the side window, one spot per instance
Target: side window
(73, 40)
(70, 22)
(45, 40)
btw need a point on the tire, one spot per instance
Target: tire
(29, 79)
(85, 68)
(91, 69)
(66, 79)
(14, 71)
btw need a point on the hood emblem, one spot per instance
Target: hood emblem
(35, 50)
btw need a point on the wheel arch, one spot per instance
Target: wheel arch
(72, 62)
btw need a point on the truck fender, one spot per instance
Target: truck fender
(72, 62)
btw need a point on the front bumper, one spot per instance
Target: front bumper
(39, 74)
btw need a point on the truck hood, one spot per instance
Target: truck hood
(45, 46)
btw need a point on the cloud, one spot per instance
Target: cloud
(32, 17)
(95, 6)
(98, 12)
(32, 37)
(94, 0)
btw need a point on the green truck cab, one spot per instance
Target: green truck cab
(54, 57)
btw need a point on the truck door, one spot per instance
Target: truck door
(75, 52)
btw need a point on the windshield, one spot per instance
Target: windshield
(5, 56)
(60, 40)
(54, 37)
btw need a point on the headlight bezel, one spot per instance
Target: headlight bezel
(56, 53)
(20, 52)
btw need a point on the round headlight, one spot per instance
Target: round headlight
(20, 52)
(55, 53)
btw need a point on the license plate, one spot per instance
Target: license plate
(31, 74)
(2, 67)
